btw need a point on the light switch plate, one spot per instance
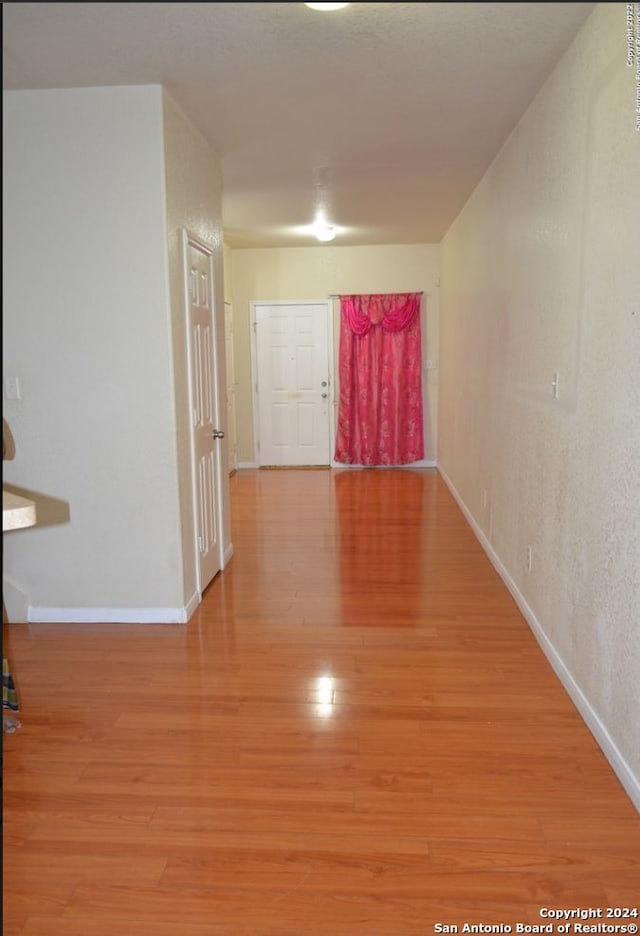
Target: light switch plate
(11, 388)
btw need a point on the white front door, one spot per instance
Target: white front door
(204, 400)
(293, 395)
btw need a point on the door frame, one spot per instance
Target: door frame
(188, 238)
(232, 403)
(333, 400)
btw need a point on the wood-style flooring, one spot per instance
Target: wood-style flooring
(355, 735)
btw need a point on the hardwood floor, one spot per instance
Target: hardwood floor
(355, 735)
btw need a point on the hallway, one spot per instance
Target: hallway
(355, 735)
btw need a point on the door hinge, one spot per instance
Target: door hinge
(200, 544)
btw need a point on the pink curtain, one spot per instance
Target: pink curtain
(380, 368)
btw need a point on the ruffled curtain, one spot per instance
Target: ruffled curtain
(380, 368)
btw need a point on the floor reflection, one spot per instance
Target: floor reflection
(382, 540)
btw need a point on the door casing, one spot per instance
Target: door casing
(191, 240)
(333, 400)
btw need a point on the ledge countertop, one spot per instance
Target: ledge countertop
(17, 512)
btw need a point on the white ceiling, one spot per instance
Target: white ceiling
(386, 113)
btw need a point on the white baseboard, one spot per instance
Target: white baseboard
(623, 771)
(191, 606)
(418, 464)
(334, 464)
(39, 615)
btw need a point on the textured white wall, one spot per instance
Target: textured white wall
(540, 274)
(316, 273)
(86, 328)
(194, 201)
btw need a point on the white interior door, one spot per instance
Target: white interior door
(204, 400)
(293, 395)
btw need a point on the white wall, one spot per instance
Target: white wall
(194, 202)
(316, 273)
(540, 274)
(86, 329)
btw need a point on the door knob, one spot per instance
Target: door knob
(218, 434)
(324, 396)
(324, 383)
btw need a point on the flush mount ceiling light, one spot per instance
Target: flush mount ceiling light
(322, 228)
(324, 232)
(326, 6)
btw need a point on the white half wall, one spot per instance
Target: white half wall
(87, 331)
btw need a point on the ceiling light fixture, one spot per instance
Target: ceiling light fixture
(326, 6)
(322, 228)
(324, 232)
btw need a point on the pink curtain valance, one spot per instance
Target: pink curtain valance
(392, 312)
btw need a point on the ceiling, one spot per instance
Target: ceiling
(385, 115)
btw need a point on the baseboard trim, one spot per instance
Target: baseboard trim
(227, 555)
(191, 606)
(621, 768)
(424, 463)
(43, 615)
(418, 464)
(431, 463)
